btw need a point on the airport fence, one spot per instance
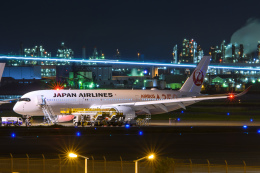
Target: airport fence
(77, 165)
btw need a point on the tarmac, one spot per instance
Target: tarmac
(172, 123)
(203, 123)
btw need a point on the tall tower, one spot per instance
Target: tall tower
(194, 51)
(258, 50)
(118, 55)
(223, 51)
(233, 53)
(174, 54)
(241, 51)
(95, 53)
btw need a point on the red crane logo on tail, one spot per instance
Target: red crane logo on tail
(198, 77)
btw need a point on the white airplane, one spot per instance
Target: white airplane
(130, 102)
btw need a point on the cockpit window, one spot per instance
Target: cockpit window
(24, 99)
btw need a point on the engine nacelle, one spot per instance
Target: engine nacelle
(64, 118)
(126, 110)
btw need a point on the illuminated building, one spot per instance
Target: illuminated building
(174, 54)
(96, 55)
(64, 53)
(126, 73)
(223, 51)
(37, 51)
(215, 53)
(190, 52)
(233, 53)
(241, 51)
(238, 55)
(199, 55)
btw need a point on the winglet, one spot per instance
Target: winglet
(244, 92)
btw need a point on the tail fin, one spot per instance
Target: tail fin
(195, 81)
(2, 66)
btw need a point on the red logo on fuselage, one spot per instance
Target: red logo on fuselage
(198, 77)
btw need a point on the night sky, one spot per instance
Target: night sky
(146, 26)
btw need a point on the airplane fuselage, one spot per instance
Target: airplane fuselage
(58, 99)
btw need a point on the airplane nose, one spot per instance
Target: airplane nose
(16, 108)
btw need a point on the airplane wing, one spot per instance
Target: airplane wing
(7, 101)
(177, 101)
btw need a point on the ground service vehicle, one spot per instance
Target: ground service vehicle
(7, 121)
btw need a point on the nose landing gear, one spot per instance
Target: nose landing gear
(28, 122)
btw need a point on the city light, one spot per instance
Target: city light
(13, 135)
(151, 156)
(234, 67)
(244, 126)
(72, 155)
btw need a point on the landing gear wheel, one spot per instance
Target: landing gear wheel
(28, 121)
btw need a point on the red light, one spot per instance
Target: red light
(57, 89)
(231, 96)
